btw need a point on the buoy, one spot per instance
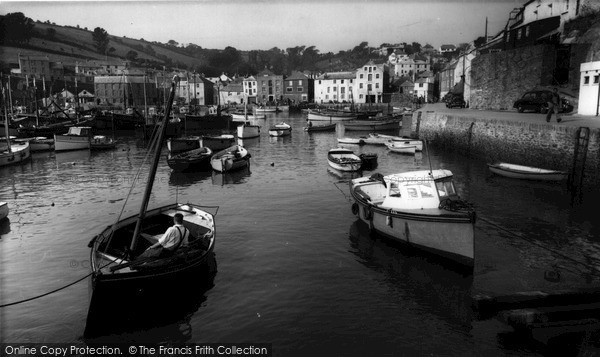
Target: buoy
(272, 164)
(52, 204)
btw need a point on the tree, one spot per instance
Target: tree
(16, 27)
(173, 43)
(131, 55)
(100, 38)
(463, 47)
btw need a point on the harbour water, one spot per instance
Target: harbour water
(295, 267)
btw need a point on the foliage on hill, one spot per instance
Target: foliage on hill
(80, 43)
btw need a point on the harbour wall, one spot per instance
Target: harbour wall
(545, 145)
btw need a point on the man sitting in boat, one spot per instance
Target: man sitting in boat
(175, 236)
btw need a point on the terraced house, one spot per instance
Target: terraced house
(370, 82)
(270, 87)
(298, 88)
(334, 87)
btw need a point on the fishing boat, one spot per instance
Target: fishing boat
(123, 267)
(330, 116)
(373, 124)
(218, 142)
(343, 160)
(326, 127)
(353, 141)
(3, 210)
(233, 158)
(420, 208)
(526, 172)
(248, 131)
(102, 142)
(78, 138)
(281, 129)
(265, 110)
(193, 160)
(401, 148)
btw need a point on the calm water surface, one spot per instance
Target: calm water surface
(295, 267)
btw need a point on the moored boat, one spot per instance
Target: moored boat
(218, 142)
(343, 160)
(177, 145)
(326, 127)
(281, 129)
(241, 117)
(330, 116)
(230, 159)
(369, 161)
(527, 172)
(248, 131)
(353, 141)
(102, 142)
(265, 110)
(78, 138)
(397, 139)
(373, 124)
(421, 208)
(38, 144)
(197, 159)
(401, 148)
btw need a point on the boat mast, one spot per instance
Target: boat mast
(5, 119)
(152, 175)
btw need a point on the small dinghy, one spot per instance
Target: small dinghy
(353, 141)
(281, 129)
(401, 148)
(197, 159)
(526, 172)
(230, 159)
(344, 160)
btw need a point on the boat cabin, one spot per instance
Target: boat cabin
(80, 131)
(418, 190)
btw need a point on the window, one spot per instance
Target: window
(299, 82)
(369, 86)
(361, 76)
(326, 96)
(377, 76)
(376, 85)
(360, 96)
(370, 69)
(328, 89)
(289, 89)
(365, 69)
(299, 89)
(527, 28)
(351, 83)
(342, 89)
(519, 34)
(319, 81)
(291, 83)
(370, 78)
(342, 81)
(596, 79)
(334, 82)
(360, 86)
(586, 80)
(508, 37)
(420, 85)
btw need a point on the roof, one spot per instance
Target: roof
(265, 73)
(447, 47)
(407, 84)
(338, 75)
(297, 75)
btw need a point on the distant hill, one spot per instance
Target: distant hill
(70, 44)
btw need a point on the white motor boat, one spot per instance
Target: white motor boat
(401, 148)
(281, 129)
(344, 160)
(78, 138)
(420, 208)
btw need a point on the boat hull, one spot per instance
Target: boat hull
(216, 143)
(198, 159)
(448, 236)
(19, 153)
(248, 131)
(327, 127)
(197, 122)
(330, 117)
(371, 125)
(178, 145)
(227, 160)
(527, 173)
(71, 142)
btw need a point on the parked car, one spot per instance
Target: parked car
(455, 102)
(537, 101)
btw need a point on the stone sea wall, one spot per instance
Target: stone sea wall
(498, 79)
(545, 145)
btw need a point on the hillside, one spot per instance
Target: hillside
(71, 44)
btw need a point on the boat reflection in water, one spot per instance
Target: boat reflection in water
(185, 179)
(420, 276)
(146, 316)
(248, 143)
(233, 177)
(344, 175)
(72, 157)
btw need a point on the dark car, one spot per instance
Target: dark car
(537, 101)
(455, 102)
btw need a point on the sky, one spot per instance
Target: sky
(329, 25)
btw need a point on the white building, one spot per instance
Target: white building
(589, 88)
(335, 87)
(370, 83)
(250, 88)
(424, 87)
(408, 66)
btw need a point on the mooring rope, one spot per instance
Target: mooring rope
(343, 193)
(593, 270)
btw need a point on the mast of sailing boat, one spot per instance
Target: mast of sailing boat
(154, 166)
(5, 119)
